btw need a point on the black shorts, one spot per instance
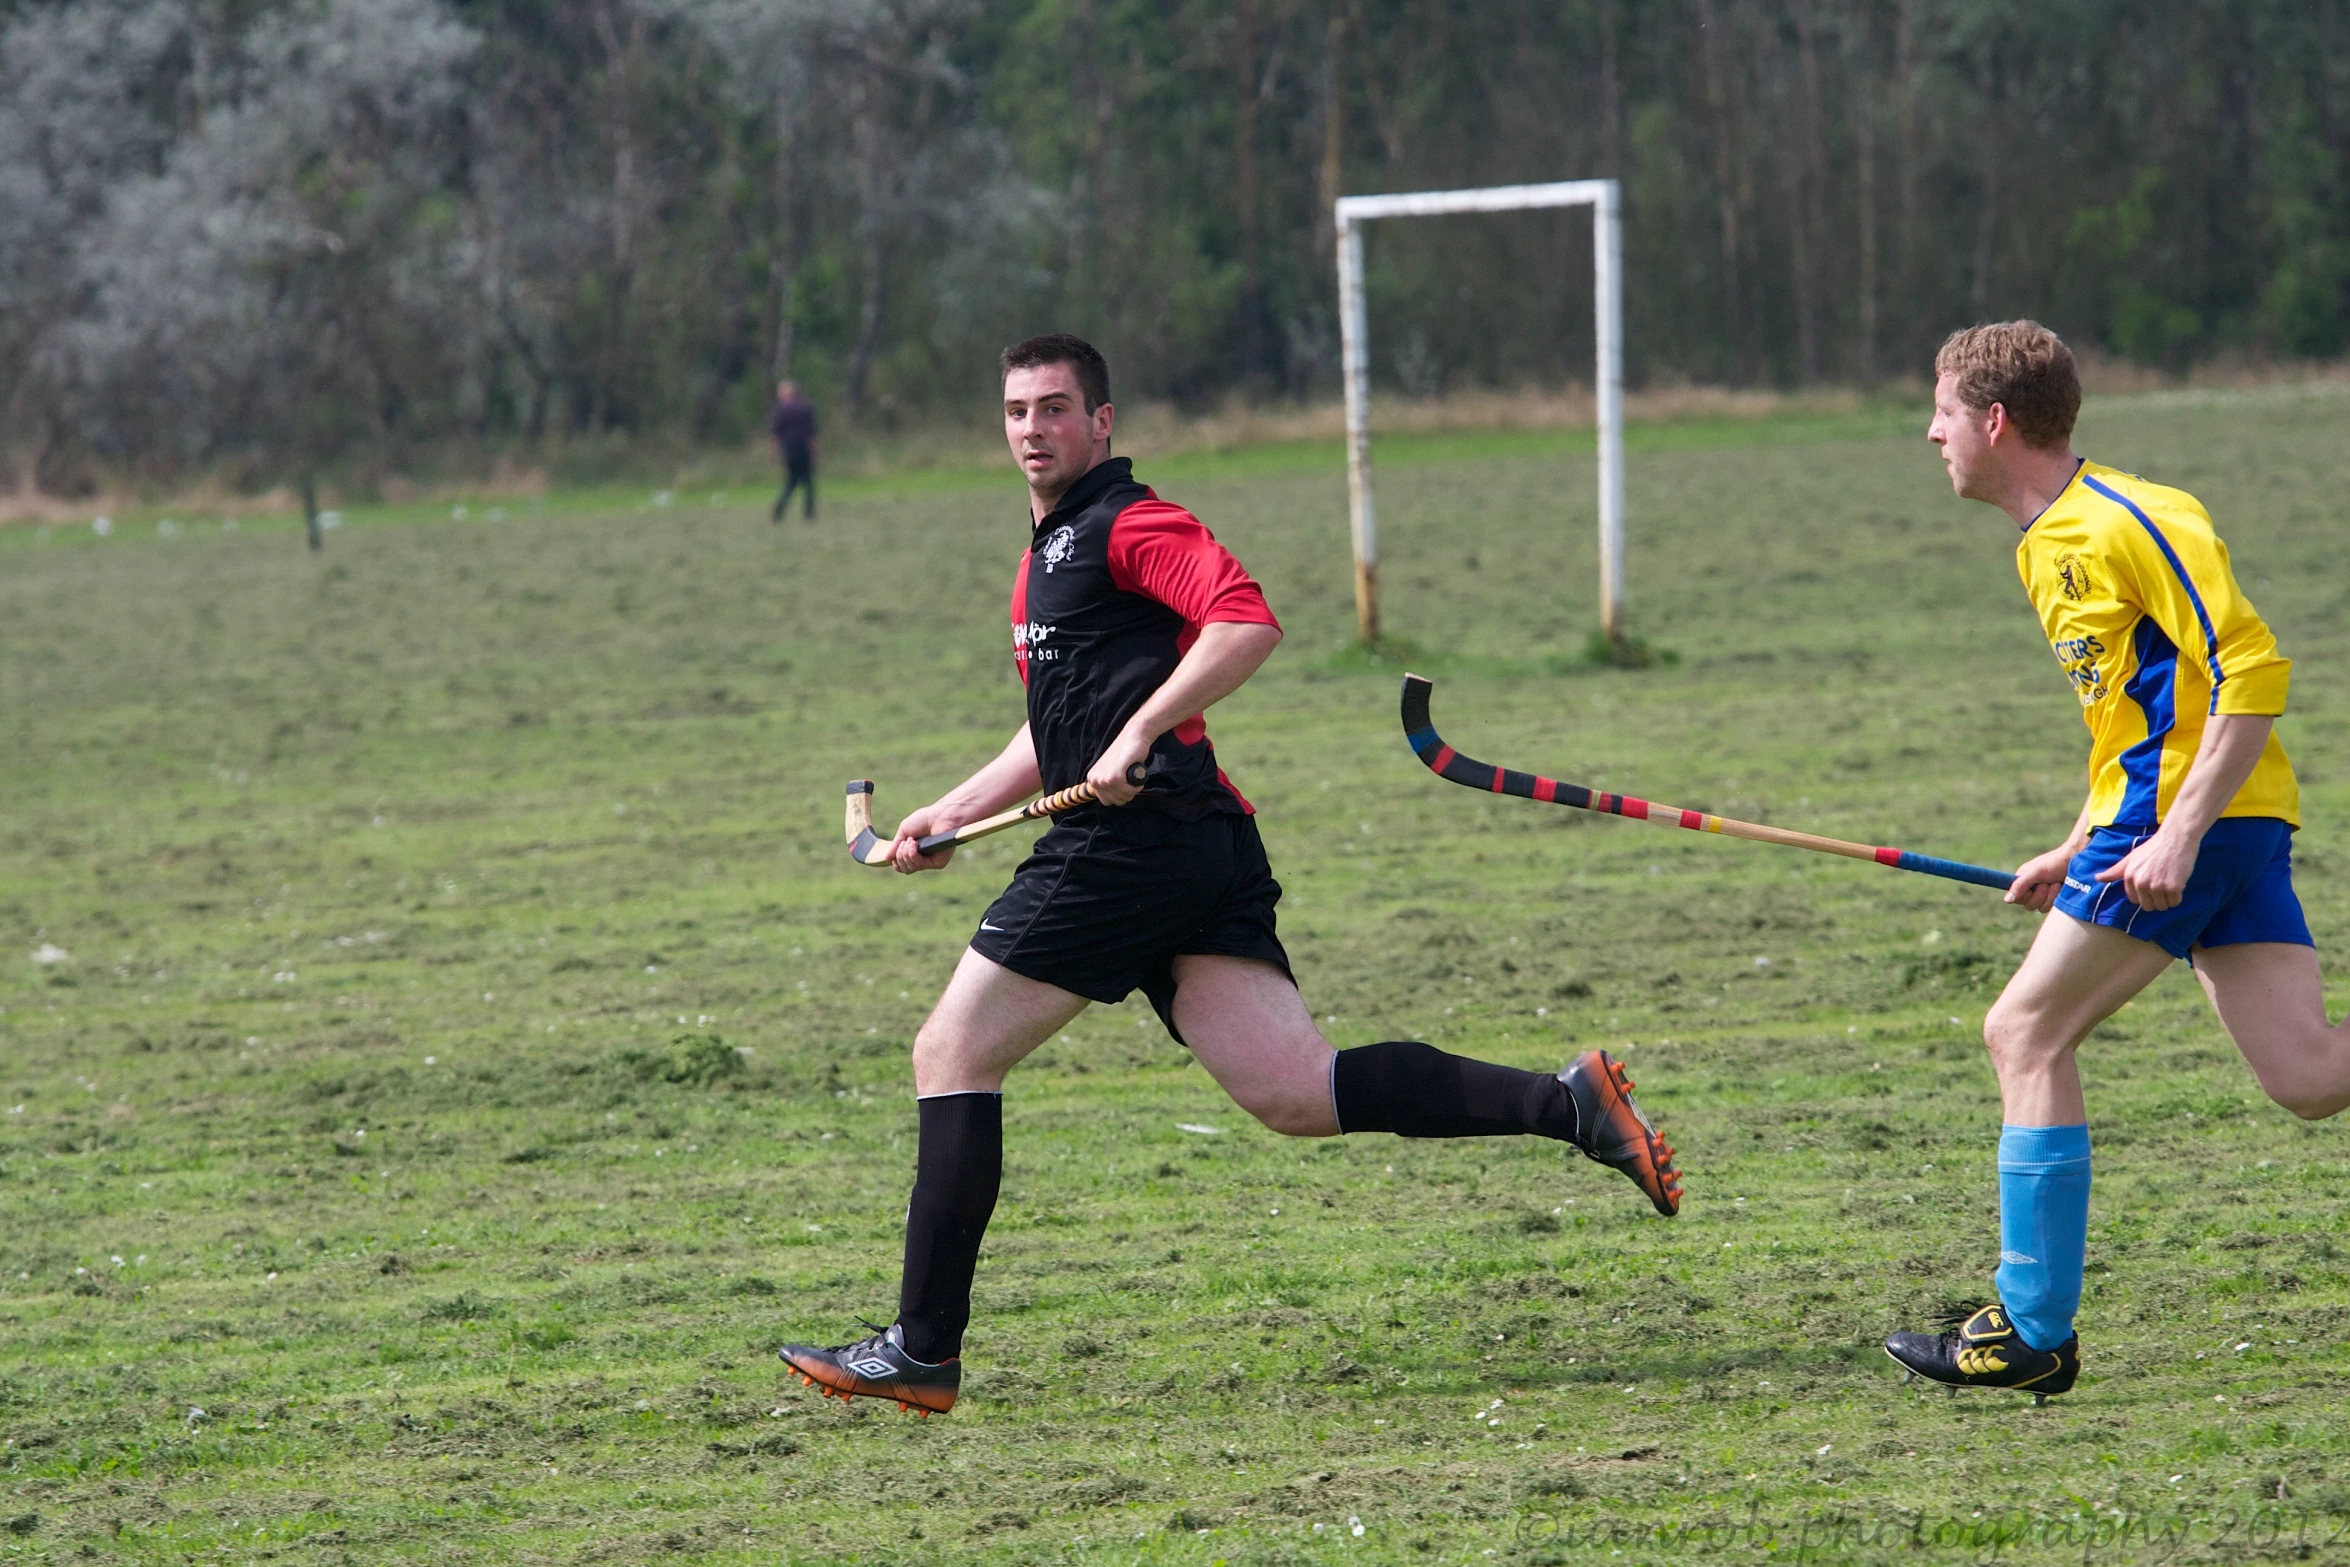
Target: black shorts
(1107, 901)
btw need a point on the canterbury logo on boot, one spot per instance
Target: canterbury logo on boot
(1981, 1348)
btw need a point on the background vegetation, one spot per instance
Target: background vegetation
(448, 1049)
(262, 235)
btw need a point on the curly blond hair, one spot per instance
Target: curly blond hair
(2023, 367)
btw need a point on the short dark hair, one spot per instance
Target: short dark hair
(2023, 367)
(1063, 348)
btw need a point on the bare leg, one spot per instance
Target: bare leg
(2270, 1001)
(987, 1022)
(1248, 1026)
(2076, 976)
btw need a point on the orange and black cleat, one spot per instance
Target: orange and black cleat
(877, 1367)
(1609, 1127)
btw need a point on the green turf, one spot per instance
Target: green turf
(375, 1114)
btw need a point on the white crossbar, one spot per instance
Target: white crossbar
(1490, 198)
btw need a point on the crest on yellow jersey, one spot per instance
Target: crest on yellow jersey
(2072, 576)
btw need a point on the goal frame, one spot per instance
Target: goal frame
(1605, 199)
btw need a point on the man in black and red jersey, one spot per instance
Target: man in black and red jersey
(1129, 620)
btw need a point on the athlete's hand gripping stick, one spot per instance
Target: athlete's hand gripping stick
(1450, 765)
(868, 847)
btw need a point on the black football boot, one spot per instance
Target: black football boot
(1981, 1348)
(877, 1367)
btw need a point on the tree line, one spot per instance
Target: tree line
(265, 234)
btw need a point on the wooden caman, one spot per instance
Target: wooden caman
(868, 847)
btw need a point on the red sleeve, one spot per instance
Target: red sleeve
(1020, 618)
(1164, 552)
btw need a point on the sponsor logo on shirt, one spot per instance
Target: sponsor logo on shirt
(1028, 639)
(1059, 548)
(2079, 656)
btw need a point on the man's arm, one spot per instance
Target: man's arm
(1226, 654)
(1002, 783)
(2154, 875)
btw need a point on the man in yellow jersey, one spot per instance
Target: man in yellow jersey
(2184, 849)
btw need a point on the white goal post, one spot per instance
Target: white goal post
(1605, 199)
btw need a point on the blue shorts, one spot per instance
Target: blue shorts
(2241, 890)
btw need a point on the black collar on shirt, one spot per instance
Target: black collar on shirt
(1088, 488)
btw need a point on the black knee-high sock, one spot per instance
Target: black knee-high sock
(957, 1170)
(1417, 1090)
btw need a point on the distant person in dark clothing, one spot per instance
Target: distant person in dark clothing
(794, 427)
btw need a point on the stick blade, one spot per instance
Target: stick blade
(866, 847)
(1419, 729)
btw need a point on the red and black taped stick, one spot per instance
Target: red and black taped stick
(1453, 767)
(868, 847)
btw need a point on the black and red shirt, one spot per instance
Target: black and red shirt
(1112, 592)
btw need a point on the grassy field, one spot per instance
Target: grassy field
(464, 1050)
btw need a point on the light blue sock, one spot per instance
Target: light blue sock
(2043, 1228)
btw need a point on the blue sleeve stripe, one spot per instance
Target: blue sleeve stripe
(2202, 616)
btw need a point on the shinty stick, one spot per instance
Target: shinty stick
(1453, 767)
(868, 847)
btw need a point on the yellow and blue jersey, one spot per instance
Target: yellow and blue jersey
(2143, 611)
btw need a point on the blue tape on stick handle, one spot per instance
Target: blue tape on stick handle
(1957, 870)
